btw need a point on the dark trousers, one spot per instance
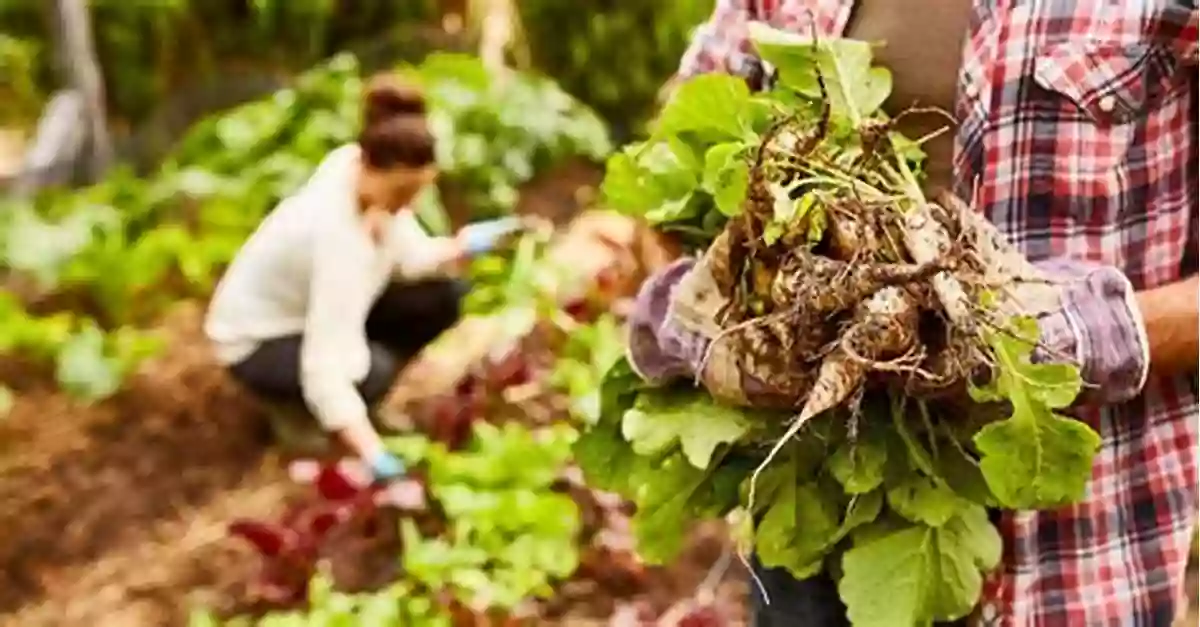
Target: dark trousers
(811, 602)
(405, 318)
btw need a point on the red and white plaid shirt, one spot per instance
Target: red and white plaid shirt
(1077, 137)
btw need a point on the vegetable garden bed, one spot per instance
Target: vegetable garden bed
(187, 460)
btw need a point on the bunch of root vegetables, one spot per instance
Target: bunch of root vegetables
(871, 379)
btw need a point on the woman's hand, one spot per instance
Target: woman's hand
(385, 466)
(483, 237)
(362, 439)
(401, 492)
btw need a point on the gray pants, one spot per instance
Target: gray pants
(405, 318)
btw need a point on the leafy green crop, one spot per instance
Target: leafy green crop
(496, 131)
(118, 252)
(889, 497)
(398, 605)
(510, 536)
(582, 362)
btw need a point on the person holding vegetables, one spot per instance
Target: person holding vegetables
(340, 283)
(1076, 127)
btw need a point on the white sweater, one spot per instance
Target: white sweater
(311, 268)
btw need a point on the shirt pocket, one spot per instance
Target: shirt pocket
(1103, 98)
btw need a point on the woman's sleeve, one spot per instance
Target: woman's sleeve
(332, 334)
(414, 252)
(722, 44)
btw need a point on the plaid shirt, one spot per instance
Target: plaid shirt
(1077, 137)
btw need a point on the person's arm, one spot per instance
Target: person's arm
(719, 44)
(331, 332)
(418, 254)
(1172, 319)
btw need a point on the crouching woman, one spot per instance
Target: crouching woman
(340, 284)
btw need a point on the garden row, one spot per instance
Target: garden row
(510, 532)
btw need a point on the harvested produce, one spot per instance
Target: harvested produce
(871, 379)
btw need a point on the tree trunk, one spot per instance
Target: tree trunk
(51, 158)
(82, 73)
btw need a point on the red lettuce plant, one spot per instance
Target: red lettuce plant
(290, 547)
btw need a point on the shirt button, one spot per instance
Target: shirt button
(988, 614)
(1107, 104)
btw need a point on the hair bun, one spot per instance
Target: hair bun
(387, 97)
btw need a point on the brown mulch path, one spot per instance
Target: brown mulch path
(78, 483)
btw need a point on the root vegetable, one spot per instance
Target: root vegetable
(884, 326)
(927, 241)
(947, 367)
(849, 237)
(819, 286)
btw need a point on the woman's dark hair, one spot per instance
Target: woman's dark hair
(394, 132)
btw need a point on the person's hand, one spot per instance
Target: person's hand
(482, 237)
(1095, 323)
(1087, 312)
(385, 467)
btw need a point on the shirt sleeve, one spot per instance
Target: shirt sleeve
(722, 44)
(414, 252)
(332, 334)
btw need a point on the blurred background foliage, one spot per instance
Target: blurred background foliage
(218, 107)
(611, 54)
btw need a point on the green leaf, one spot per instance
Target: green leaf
(963, 475)
(605, 457)
(83, 367)
(858, 465)
(716, 104)
(925, 500)
(1055, 385)
(1036, 458)
(855, 89)
(863, 509)
(691, 418)
(665, 508)
(914, 575)
(796, 530)
(727, 176)
(801, 522)
(973, 529)
(654, 180)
